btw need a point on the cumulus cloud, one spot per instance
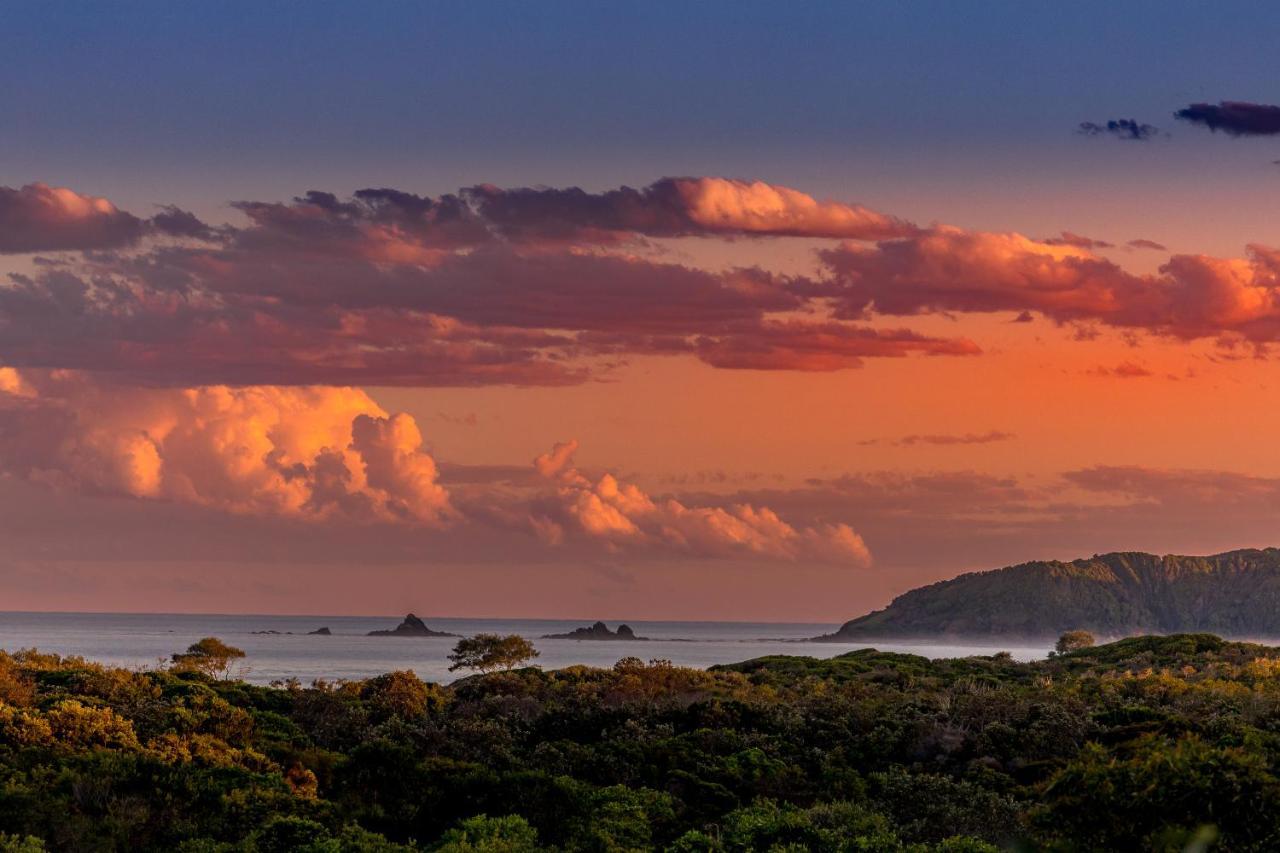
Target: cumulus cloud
(392, 288)
(173, 221)
(385, 225)
(396, 226)
(679, 207)
(313, 453)
(619, 514)
(488, 286)
(928, 524)
(1234, 118)
(41, 218)
(269, 315)
(1120, 128)
(721, 205)
(952, 270)
(331, 453)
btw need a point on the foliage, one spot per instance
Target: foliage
(1149, 743)
(489, 652)
(25, 844)
(1073, 641)
(210, 656)
(484, 834)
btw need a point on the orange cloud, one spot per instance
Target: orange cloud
(730, 206)
(307, 452)
(952, 270)
(331, 453)
(526, 286)
(621, 515)
(676, 207)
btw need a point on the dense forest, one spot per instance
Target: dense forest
(1150, 743)
(1234, 594)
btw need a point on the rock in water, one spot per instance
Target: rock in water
(598, 631)
(412, 626)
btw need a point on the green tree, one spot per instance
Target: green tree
(1159, 793)
(210, 656)
(490, 652)
(484, 834)
(20, 844)
(399, 694)
(1073, 640)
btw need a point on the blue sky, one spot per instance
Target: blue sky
(198, 103)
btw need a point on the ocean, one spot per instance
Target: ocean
(140, 640)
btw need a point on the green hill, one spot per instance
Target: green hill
(1232, 594)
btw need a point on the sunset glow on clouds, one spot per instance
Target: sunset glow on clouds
(536, 287)
(818, 304)
(233, 367)
(311, 452)
(330, 453)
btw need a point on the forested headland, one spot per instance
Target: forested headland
(1234, 594)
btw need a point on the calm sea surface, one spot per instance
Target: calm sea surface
(144, 639)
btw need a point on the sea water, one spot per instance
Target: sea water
(139, 640)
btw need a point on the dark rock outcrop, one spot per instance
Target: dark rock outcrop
(412, 626)
(1236, 594)
(598, 631)
(323, 632)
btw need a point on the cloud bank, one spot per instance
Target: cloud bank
(325, 454)
(621, 515)
(952, 270)
(316, 453)
(539, 286)
(481, 287)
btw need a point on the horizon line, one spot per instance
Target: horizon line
(586, 619)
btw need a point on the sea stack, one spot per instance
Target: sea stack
(412, 626)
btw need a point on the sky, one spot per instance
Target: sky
(638, 311)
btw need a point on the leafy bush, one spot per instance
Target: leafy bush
(1150, 743)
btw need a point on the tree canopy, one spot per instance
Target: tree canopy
(490, 652)
(1072, 641)
(210, 656)
(1149, 743)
